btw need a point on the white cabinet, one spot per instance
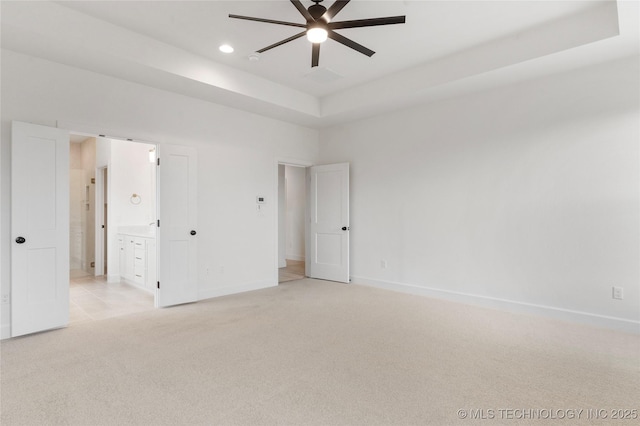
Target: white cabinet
(121, 254)
(138, 260)
(128, 257)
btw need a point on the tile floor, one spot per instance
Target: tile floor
(293, 271)
(93, 298)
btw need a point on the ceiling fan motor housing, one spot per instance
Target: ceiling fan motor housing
(316, 11)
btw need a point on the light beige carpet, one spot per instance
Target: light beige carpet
(314, 352)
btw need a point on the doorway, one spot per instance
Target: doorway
(98, 288)
(292, 197)
(326, 221)
(40, 219)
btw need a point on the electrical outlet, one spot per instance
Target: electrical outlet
(5, 298)
(617, 293)
(383, 264)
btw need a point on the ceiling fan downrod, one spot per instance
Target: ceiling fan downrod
(317, 10)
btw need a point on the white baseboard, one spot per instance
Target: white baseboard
(5, 332)
(299, 257)
(111, 278)
(227, 290)
(615, 323)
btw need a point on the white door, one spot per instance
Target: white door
(177, 192)
(39, 228)
(329, 222)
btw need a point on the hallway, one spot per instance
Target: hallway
(293, 271)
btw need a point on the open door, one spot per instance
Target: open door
(329, 222)
(177, 231)
(39, 228)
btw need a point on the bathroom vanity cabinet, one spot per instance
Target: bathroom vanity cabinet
(138, 260)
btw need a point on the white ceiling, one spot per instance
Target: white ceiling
(446, 47)
(433, 30)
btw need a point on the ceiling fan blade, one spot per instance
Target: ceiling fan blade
(367, 22)
(286, 40)
(303, 11)
(350, 43)
(334, 9)
(268, 21)
(315, 54)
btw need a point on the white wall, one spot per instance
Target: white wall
(295, 178)
(237, 153)
(131, 173)
(523, 195)
(526, 196)
(103, 152)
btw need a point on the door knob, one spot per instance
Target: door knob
(20, 240)
(193, 232)
(346, 228)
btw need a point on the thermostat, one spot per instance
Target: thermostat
(260, 200)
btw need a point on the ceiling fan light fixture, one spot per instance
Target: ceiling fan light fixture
(317, 34)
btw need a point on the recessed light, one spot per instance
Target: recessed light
(225, 48)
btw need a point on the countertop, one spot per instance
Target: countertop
(145, 231)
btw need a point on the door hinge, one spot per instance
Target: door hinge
(158, 284)
(158, 159)
(158, 223)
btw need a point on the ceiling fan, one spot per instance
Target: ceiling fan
(319, 27)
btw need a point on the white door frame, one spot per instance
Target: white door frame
(100, 222)
(287, 161)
